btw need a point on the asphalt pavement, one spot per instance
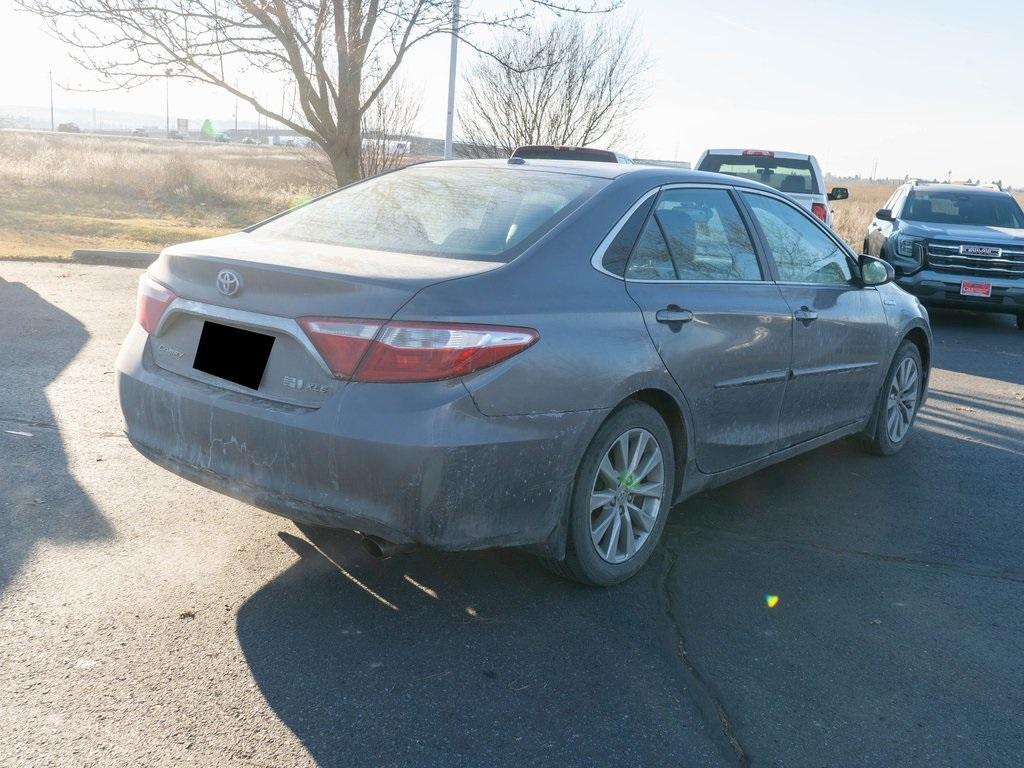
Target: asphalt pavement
(147, 621)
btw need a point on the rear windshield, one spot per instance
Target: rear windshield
(785, 175)
(978, 209)
(479, 213)
(565, 153)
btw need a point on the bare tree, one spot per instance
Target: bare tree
(387, 128)
(334, 57)
(570, 84)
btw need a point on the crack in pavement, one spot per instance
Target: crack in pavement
(28, 422)
(962, 569)
(707, 696)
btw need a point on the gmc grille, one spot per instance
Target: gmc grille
(946, 257)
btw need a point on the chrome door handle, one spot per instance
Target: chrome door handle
(806, 314)
(673, 314)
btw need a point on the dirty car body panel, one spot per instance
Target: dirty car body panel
(487, 457)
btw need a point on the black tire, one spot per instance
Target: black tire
(1020, 321)
(881, 442)
(582, 561)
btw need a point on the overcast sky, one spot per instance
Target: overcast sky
(923, 87)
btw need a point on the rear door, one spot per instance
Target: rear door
(839, 331)
(722, 329)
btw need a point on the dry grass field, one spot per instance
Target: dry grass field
(63, 191)
(851, 217)
(59, 192)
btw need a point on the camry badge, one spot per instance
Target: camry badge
(228, 282)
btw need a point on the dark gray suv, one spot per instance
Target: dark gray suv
(540, 354)
(954, 246)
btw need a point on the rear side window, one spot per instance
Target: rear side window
(694, 234)
(617, 254)
(792, 176)
(456, 212)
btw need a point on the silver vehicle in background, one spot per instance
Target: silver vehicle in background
(552, 152)
(796, 175)
(544, 354)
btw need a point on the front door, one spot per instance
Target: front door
(722, 330)
(839, 330)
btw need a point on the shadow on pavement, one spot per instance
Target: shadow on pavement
(897, 635)
(39, 498)
(896, 641)
(978, 344)
(466, 659)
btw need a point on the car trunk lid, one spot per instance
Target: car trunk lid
(273, 282)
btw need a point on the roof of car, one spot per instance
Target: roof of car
(940, 187)
(775, 153)
(657, 174)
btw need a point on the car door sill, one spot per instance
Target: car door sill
(695, 481)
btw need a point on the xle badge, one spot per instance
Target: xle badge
(305, 386)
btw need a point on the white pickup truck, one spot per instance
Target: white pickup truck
(798, 176)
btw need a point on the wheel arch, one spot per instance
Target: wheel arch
(920, 339)
(674, 416)
(918, 336)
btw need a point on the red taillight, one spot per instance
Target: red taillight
(365, 350)
(152, 303)
(757, 153)
(820, 210)
(342, 342)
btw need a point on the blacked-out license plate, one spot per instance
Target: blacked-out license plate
(233, 354)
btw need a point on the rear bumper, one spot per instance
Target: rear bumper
(942, 289)
(412, 463)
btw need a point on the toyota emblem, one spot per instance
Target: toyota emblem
(228, 282)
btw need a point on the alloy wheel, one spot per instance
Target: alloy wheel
(903, 396)
(626, 496)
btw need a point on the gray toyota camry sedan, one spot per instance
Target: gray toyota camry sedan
(537, 354)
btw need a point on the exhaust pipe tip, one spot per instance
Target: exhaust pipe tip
(382, 549)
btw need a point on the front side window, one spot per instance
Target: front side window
(694, 234)
(897, 202)
(455, 212)
(802, 251)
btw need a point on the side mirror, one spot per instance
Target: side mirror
(875, 271)
(839, 193)
(884, 214)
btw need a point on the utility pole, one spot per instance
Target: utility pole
(52, 126)
(167, 135)
(448, 144)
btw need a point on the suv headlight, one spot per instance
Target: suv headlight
(905, 246)
(908, 253)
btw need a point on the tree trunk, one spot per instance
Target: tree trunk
(344, 153)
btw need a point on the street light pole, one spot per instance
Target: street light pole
(167, 96)
(448, 148)
(51, 100)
